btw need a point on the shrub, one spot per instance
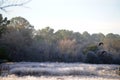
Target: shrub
(91, 57)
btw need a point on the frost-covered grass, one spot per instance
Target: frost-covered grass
(12, 77)
(58, 71)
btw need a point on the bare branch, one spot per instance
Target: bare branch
(12, 3)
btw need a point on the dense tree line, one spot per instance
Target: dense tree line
(19, 41)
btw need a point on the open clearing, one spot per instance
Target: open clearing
(58, 71)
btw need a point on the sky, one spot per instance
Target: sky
(94, 16)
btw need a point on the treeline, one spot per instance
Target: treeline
(19, 41)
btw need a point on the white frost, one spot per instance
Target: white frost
(53, 70)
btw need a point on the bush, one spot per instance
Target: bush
(105, 57)
(91, 57)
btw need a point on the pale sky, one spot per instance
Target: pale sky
(93, 16)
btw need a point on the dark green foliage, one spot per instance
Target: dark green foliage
(3, 24)
(91, 57)
(3, 27)
(105, 57)
(3, 54)
(93, 48)
(116, 60)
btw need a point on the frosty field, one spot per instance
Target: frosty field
(58, 71)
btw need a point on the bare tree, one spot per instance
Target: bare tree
(12, 3)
